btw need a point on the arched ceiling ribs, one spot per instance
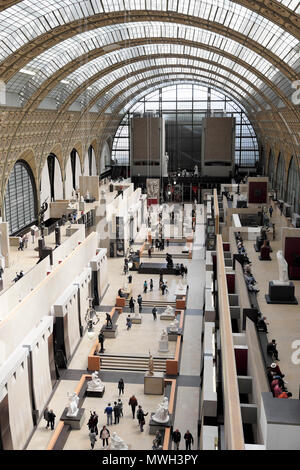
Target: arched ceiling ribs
(136, 74)
(231, 92)
(70, 68)
(17, 60)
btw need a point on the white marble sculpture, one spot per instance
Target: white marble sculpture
(169, 311)
(117, 443)
(180, 285)
(163, 341)
(164, 335)
(73, 404)
(162, 413)
(174, 326)
(81, 198)
(95, 385)
(282, 267)
(87, 195)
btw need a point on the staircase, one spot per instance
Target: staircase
(163, 255)
(153, 303)
(133, 363)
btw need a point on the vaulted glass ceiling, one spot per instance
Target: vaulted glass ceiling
(86, 60)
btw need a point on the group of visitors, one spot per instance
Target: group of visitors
(49, 416)
(246, 263)
(116, 412)
(176, 438)
(277, 384)
(183, 271)
(145, 286)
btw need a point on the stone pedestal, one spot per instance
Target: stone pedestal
(281, 293)
(163, 346)
(77, 421)
(137, 319)
(167, 317)
(155, 426)
(154, 384)
(172, 335)
(95, 393)
(110, 332)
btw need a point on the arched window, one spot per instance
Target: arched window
(20, 197)
(280, 177)
(293, 186)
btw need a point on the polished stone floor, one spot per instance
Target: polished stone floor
(139, 340)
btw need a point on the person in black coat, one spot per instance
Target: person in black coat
(176, 438)
(188, 440)
(116, 410)
(141, 417)
(121, 386)
(51, 417)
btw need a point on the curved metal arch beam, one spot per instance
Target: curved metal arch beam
(101, 74)
(198, 79)
(270, 9)
(144, 91)
(69, 101)
(49, 84)
(19, 59)
(137, 73)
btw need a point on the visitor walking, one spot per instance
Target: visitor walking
(145, 287)
(188, 440)
(133, 403)
(93, 439)
(108, 410)
(46, 416)
(51, 417)
(104, 435)
(140, 300)
(121, 386)
(21, 244)
(154, 313)
(128, 322)
(116, 413)
(141, 417)
(270, 211)
(176, 438)
(151, 285)
(120, 405)
(131, 304)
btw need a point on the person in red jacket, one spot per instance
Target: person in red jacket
(285, 395)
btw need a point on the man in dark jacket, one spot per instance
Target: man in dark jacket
(188, 440)
(51, 417)
(154, 313)
(176, 437)
(141, 417)
(116, 413)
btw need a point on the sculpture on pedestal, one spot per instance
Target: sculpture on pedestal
(162, 413)
(174, 326)
(73, 404)
(164, 335)
(95, 385)
(150, 365)
(41, 215)
(282, 267)
(108, 321)
(117, 443)
(169, 311)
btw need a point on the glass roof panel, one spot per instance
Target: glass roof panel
(174, 65)
(29, 18)
(49, 62)
(117, 94)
